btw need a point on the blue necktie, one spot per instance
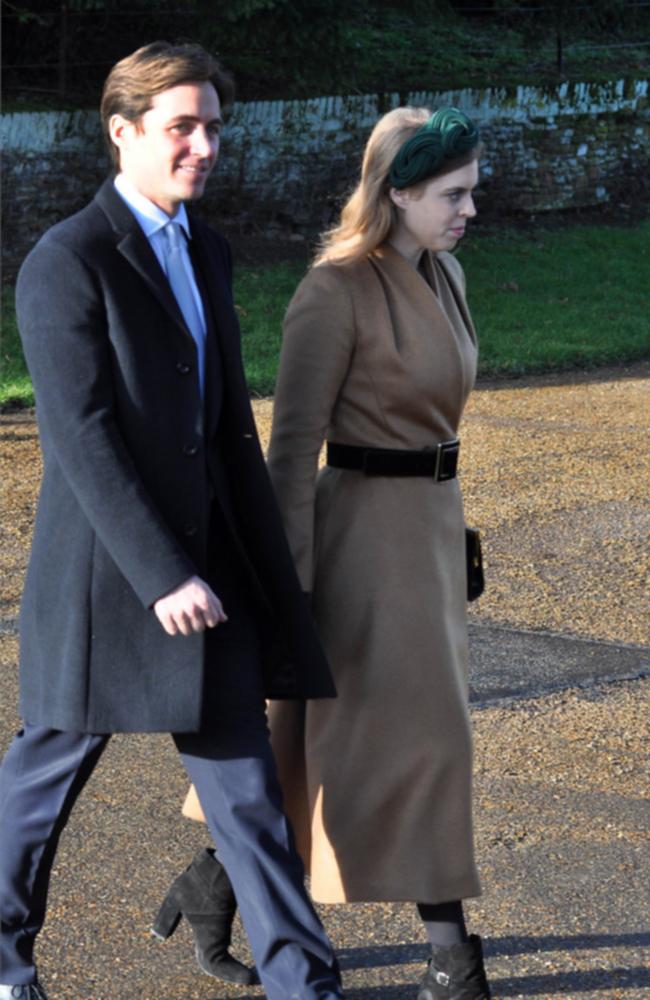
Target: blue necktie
(182, 289)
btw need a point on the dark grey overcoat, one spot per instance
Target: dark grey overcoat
(131, 464)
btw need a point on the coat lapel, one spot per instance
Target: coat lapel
(217, 285)
(456, 290)
(214, 381)
(135, 247)
(424, 287)
(223, 329)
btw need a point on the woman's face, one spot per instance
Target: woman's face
(433, 216)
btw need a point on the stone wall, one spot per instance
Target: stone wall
(287, 164)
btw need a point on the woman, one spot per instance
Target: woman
(378, 358)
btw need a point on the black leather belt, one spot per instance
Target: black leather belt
(439, 462)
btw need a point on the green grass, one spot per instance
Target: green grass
(574, 297)
(542, 300)
(15, 384)
(262, 295)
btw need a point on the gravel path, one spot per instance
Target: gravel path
(556, 475)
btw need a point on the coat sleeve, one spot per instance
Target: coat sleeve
(317, 347)
(64, 329)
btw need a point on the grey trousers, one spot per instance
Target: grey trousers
(231, 764)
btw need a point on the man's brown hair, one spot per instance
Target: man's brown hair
(135, 80)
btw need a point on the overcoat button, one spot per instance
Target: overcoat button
(182, 368)
(190, 529)
(190, 449)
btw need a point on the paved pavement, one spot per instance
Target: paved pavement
(556, 475)
(518, 663)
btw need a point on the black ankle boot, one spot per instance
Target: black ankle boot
(203, 895)
(456, 973)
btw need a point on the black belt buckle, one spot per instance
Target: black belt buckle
(446, 460)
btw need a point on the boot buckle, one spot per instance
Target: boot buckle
(442, 978)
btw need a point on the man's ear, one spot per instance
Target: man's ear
(118, 127)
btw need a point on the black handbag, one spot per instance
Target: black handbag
(474, 558)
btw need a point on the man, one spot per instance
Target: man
(160, 594)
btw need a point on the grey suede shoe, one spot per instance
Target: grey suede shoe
(456, 973)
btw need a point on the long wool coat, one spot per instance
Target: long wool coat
(132, 462)
(378, 781)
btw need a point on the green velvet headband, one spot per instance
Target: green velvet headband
(448, 135)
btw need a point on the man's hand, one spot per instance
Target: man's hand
(191, 607)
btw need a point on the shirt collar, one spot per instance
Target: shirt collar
(151, 218)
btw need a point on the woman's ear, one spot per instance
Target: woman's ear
(398, 197)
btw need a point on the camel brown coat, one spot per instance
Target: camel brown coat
(378, 781)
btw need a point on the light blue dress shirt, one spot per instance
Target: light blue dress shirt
(152, 221)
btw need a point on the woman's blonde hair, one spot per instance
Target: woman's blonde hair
(369, 213)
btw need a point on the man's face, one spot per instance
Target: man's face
(169, 153)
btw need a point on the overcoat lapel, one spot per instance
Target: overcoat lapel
(218, 288)
(214, 380)
(135, 247)
(137, 250)
(223, 331)
(459, 297)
